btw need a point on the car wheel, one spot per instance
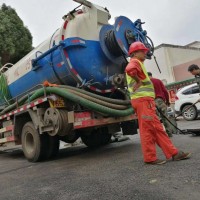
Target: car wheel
(189, 114)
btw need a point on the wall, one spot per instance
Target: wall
(181, 71)
(163, 65)
(173, 61)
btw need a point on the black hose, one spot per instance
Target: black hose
(112, 44)
(169, 120)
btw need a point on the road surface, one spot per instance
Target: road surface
(112, 172)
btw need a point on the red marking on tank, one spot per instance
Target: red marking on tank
(101, 91)
(63, 37)
(65, 24)
(92, 88)
(120, 23)
(74, 71)
(120, 42)
(66, 54)
(79, 12)
(59, 64)
(75, 41)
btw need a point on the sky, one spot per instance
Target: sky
(166, 21)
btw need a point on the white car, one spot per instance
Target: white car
(185, 97)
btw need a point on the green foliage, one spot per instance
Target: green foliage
(15, 38)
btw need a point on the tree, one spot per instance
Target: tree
(15, 38)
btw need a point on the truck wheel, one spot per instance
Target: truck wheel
(96, 138)
(53, 146)
(34, 145)
(70, 138)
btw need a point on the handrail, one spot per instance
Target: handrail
(5, 67)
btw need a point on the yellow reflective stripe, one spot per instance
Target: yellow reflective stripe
(140, 96)
(145, 90)
(139, 93)
(146, 82)
(143, 83)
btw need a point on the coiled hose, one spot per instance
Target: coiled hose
(112, 44)
(109, 100)
(101, 102)
(105, 108)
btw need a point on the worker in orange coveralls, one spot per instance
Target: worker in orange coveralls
(142, 99)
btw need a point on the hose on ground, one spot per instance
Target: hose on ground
(169, 120)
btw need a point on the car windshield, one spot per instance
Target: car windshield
(195, 89)
(191, 90)
(187, 91)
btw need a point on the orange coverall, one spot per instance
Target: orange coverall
(151, 129)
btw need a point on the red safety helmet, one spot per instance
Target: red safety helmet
(136, 46)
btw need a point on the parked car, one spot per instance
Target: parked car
(185, 97)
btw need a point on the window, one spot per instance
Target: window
(195, 89)
(187, 91)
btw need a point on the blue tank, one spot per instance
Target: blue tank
(85, 52)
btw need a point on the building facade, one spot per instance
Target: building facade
(173, 61)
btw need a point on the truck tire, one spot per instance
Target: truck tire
(53, 146)
(96, 138)
(70, 138)
(34, 145)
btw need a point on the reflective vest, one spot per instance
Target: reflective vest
(145, 90)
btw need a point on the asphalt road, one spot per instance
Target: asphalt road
(113, 172)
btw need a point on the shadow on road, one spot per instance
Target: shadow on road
(79, 150)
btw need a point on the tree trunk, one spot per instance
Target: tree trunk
(5, 58)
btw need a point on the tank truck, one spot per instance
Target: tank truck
(72, 85)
